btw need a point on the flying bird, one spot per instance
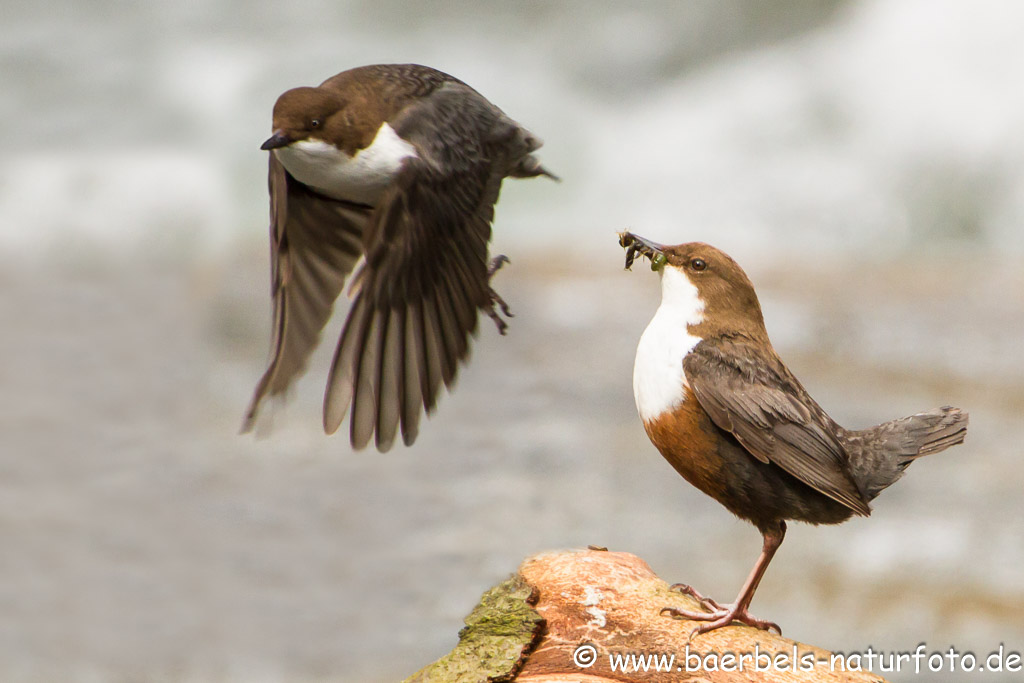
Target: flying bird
(391, 171)
(719, 404)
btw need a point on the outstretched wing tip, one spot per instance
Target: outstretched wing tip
(334, 413)
(248, 423)
(384, 443)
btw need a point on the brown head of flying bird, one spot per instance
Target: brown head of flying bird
(396, 168)
(729, 416)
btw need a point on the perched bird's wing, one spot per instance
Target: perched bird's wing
(758, 401)
(426, 273)
(314, 243)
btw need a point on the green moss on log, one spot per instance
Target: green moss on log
(499, 633)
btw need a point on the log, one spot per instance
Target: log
(593, 616)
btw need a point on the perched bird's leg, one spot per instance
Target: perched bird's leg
(738, 611)
(495, 299)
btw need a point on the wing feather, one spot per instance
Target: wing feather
(314, 243)
(390, 384)
(424, 280)
(756, 399)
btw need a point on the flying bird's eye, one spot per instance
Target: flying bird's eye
(314, 124)
(698, 264)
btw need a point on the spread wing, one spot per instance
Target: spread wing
(770, 414)
(425, 277)
(314, 243)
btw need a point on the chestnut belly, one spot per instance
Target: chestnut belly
(714, 461)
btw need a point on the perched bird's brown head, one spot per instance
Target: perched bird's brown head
(708, 287)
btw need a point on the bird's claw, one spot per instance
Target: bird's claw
(496, 263)
(495, 316)
(710, 604)
(495, 299)
(722, 616)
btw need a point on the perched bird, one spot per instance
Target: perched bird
(719, 404)
(399, 166)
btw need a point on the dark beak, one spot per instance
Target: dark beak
(634, 245)
(278, 139)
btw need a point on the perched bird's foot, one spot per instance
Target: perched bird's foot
(710, 604)
(496, 302)
(720, 617)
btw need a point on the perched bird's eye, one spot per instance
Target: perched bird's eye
(698, 264)
(314, 124)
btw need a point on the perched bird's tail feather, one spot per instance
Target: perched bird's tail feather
(878, 456)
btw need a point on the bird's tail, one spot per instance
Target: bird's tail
(878, 456)
(530, 167)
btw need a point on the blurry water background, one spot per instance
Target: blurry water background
(863, 160)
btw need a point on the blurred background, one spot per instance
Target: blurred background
(862, 159)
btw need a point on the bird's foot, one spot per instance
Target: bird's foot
(719, 617)
(495, 265)
(496, 302)
(709, 604)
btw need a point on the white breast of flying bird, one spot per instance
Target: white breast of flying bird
(360, 178)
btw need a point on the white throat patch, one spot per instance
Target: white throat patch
(658, 378)
(359, 178)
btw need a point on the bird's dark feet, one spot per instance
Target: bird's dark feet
(495, 265)
(496, 303)
(720, 616)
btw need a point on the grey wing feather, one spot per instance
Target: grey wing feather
(314, 243)
(769, 413)
(425, 276)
